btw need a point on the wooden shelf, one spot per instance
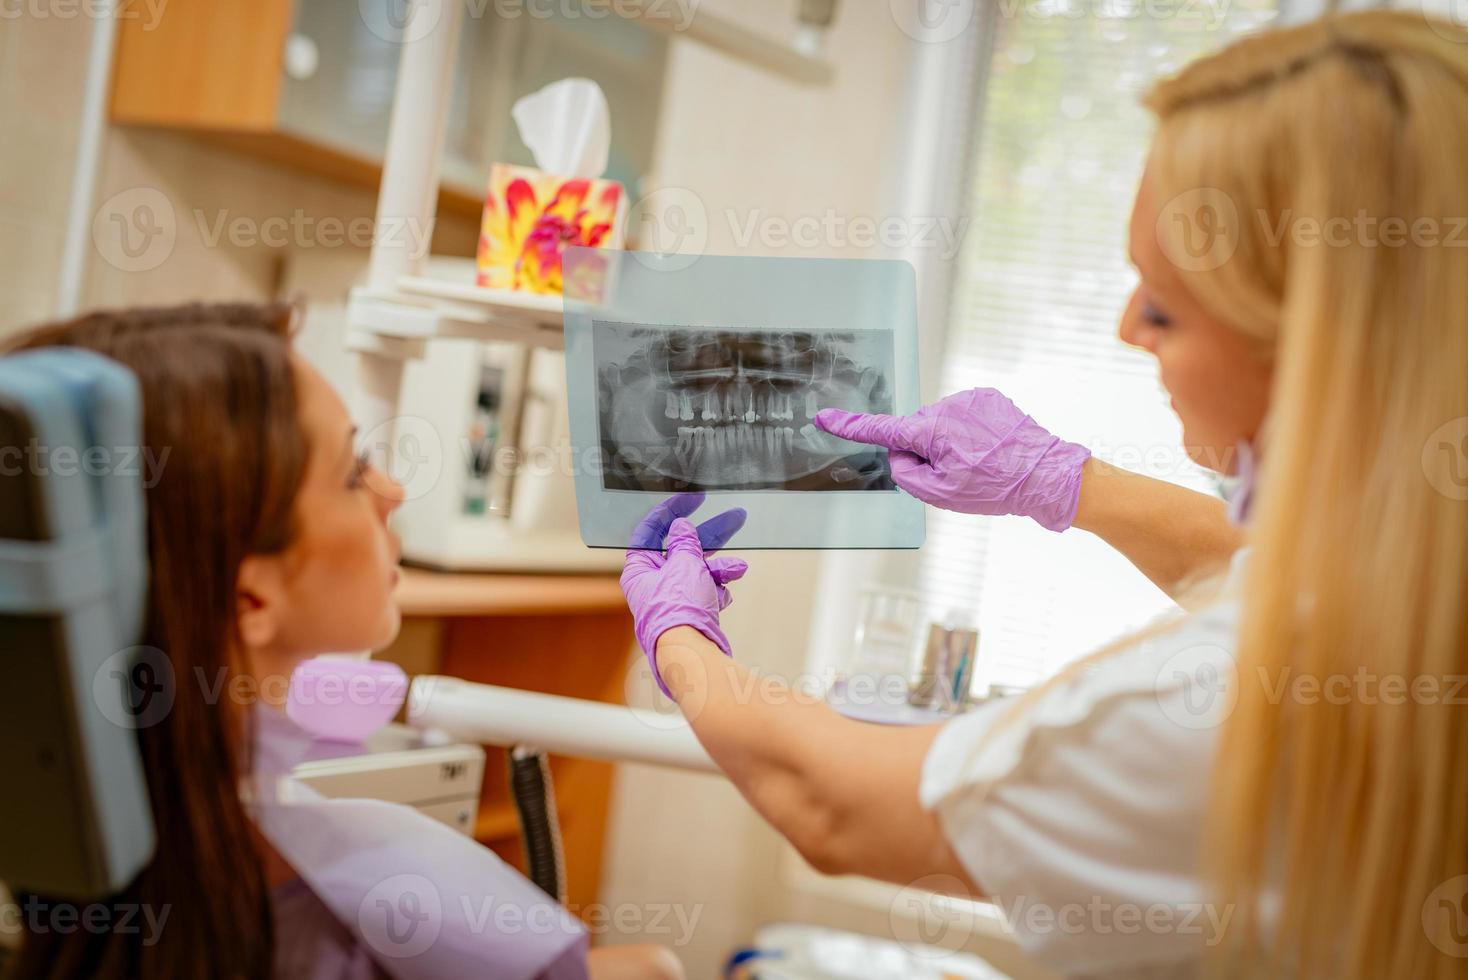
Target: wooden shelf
(338, 164)
(422, 592)
(530, 309)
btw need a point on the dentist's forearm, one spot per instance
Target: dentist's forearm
(845, 794)
(1171, 533)
(754, 729)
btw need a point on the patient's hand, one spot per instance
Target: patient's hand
(633, 963)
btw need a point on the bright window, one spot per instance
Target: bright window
(1037, 293)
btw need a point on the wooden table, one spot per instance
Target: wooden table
(559, 634)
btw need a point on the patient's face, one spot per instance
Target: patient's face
(331, 590)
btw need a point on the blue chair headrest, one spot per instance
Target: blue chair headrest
(73, 590)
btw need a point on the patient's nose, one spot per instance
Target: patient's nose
(389, 492)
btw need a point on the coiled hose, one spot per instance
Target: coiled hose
(535, 801)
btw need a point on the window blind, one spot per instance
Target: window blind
(1037, 292)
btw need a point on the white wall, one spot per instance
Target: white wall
(42, 76)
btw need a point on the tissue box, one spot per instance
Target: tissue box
(531, 217)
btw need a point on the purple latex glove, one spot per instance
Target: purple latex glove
(679, 587)
(976, 453)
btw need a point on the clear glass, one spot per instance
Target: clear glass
(703, 374)
(886, 634)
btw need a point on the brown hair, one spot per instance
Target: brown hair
(219, 398)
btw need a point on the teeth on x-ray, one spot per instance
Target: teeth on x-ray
(685, 408)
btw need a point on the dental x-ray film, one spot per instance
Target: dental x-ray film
(704, 374)
(699, 409)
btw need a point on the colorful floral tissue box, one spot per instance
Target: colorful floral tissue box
(531, 217)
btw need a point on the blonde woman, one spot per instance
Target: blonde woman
(1277, 782)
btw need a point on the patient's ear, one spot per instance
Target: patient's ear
(260, 600)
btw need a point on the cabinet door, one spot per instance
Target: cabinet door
(202, 65)
(345, 102)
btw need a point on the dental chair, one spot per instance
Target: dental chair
(73, 582)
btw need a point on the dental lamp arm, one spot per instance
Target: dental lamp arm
(1171, 534)
(845, 794)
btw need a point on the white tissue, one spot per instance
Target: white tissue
(568, 128)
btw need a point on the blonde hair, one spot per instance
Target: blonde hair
(1345, 814)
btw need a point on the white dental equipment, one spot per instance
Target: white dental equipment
(565, 726)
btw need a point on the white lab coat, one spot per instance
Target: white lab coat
(1082, 816)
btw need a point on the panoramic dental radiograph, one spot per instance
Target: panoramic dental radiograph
(698, 409)
(701, 375)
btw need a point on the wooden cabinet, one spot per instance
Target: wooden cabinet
(559, 634)
(309, 83)
(217, 71)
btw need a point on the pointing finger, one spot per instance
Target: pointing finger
(887, 431)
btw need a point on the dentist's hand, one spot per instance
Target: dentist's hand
(679, 586)
(975, 453)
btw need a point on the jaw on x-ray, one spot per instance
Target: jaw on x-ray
(703, 373)
(727, 409)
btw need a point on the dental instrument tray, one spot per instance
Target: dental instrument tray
(704, 374)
